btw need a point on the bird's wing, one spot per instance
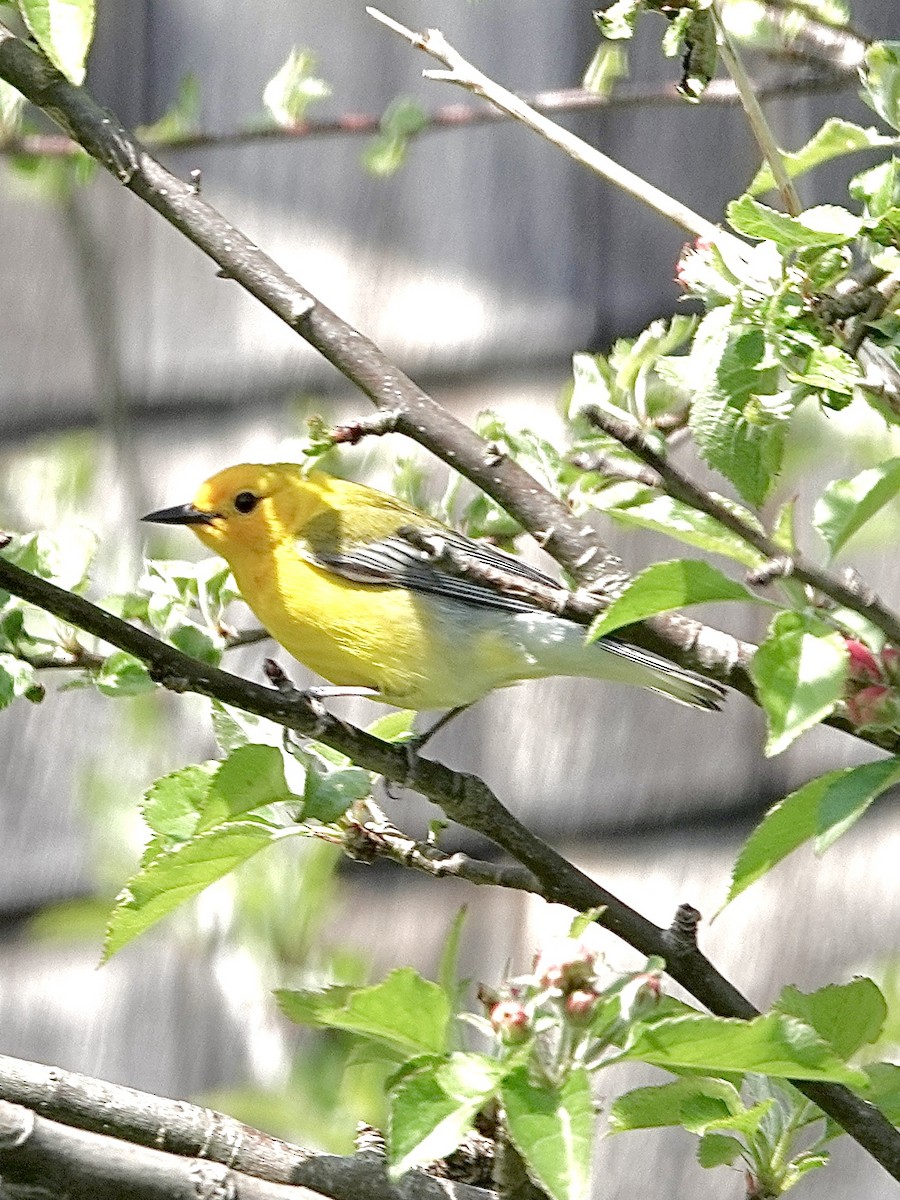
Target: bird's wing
(397, 563)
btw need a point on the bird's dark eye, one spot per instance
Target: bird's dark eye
(245, 502)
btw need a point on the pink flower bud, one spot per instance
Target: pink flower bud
(511, 1021)
(864, 666)
(639, 995)
(566, 965)
(872, 706)
(581, 1005)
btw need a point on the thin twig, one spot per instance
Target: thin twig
(680, 486)
(463, 73)
(757, 118)
(441, 118)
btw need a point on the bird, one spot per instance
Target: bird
(337, 573)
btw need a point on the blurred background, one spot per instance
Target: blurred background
(130, 372)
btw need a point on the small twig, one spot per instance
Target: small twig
(463, 73)
(441, 118)
(616, 469)
(756, 117)
(680, 486)
(371, 835)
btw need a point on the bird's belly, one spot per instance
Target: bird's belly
(416, 651)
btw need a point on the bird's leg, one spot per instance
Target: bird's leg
(416, 744)
(312, 696)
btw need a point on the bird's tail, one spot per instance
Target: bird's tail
(557, 647)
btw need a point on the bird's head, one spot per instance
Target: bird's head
(246, 509)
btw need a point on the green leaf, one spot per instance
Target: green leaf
(847, 504)
(582, 921)
(666, 586)
(249, 778)
(618, 20)
(772, 1044)
(17, 678)
(123, 675)
(655, 1107)
(718, 1150)
(829, 369)
(288, 94)
(233, 728)
(607, 67)
(448, 968)
(737, 417)
(552, 1128)
(328, 794)
(64, 30)
(402, 120)
(847, 1016)
(836, 138)
(404, 1011)
(397, 726)
(181, 119)
(177, 874)
(884, 1089)
(824, 225)
(812, 809)
(799, 673)
(881, 80)
(426, 1122)
(173, 804)
(687, 525)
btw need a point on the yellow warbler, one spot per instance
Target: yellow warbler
(327, 568)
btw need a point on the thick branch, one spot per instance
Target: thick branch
(105, 1142)
(466, 800)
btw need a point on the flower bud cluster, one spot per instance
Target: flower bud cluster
(873, 686)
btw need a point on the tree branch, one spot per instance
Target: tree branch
(96, 1141)
(442, 117)
(466, 800)
(857, 597)
(462, 72)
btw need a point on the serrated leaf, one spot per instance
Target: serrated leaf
(328, 794)
(687, 525)
(824, 225)
(718, 1150)
(552, 1129)
(404, 1011)
(249, 778)
(810, 810)
(881, 80)
(799, 673)
(847, 504)
(123, 675)
(666, 586)
(836, 138)
(64, 30)
(655, 1107)
(290, 92)
(177, 874)
(847, 1016)
(771, 1044)
(425, 1122)
(884, 1088)
(172, 805)
(737, 416)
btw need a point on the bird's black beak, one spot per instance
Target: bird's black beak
(181, 514)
